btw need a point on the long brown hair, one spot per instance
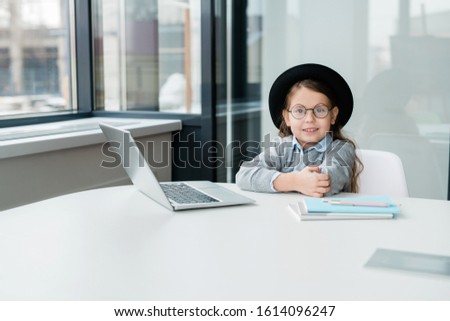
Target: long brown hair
(335, 129)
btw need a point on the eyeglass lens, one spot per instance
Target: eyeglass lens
(320, 111)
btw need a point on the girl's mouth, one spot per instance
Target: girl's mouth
(310, 130)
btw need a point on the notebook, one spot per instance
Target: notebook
(334, 208)
(174, 196)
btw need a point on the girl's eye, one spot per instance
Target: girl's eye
(299, 111)
(320, 109)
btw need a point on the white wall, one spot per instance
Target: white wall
(35, 177)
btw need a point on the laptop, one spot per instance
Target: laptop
(174, 196)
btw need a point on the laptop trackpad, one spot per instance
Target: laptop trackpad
(221, 193)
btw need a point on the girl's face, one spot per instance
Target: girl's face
(310, 129)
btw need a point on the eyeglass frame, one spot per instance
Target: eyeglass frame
(312, 109)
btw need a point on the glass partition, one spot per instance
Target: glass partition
(394, 55)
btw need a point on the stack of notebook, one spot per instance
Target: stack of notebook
(336, 208)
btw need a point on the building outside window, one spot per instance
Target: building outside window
(35, 57)
(147, 55)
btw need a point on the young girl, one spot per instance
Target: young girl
(309, 104)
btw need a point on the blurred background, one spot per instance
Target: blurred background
(147, 56)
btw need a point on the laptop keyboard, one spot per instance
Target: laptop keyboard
(182, 193)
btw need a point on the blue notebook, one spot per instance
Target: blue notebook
(313, 209)
(325, 205)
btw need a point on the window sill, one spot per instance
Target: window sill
(33, 139)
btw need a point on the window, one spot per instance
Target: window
(147, 55)
(35, 57)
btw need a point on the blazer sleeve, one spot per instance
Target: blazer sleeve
(338, 163)
(256, 175)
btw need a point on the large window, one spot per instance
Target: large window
(147, 55)
(35, 57)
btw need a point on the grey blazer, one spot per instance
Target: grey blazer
(283, 156)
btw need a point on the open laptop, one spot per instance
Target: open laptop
(173, 195)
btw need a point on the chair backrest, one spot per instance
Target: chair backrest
(424, 170)
(383, 174)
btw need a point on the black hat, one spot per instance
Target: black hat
(284, 82)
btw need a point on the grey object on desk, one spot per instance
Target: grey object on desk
(410, 261)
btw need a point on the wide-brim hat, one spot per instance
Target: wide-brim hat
(324, 74)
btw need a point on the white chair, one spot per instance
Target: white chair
(383, 174)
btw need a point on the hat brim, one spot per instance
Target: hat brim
(284, 82)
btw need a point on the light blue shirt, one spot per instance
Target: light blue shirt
(321, 146)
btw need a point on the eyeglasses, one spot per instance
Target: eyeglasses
(299, 111)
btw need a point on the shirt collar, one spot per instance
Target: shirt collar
(320, 147)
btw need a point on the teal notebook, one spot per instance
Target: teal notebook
(323, 205)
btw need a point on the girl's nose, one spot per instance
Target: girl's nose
(309, 117)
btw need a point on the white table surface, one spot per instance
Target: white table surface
(117, 244)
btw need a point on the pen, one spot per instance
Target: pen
(349, 203)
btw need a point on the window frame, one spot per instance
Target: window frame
(84, 82)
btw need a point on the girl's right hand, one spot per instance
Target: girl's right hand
(309, 181)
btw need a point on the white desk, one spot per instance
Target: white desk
(117, 244)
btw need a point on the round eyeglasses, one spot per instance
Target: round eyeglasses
(299, 111)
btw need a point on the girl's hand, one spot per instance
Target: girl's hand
(309, 181)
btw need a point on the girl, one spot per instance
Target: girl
(309, 104)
